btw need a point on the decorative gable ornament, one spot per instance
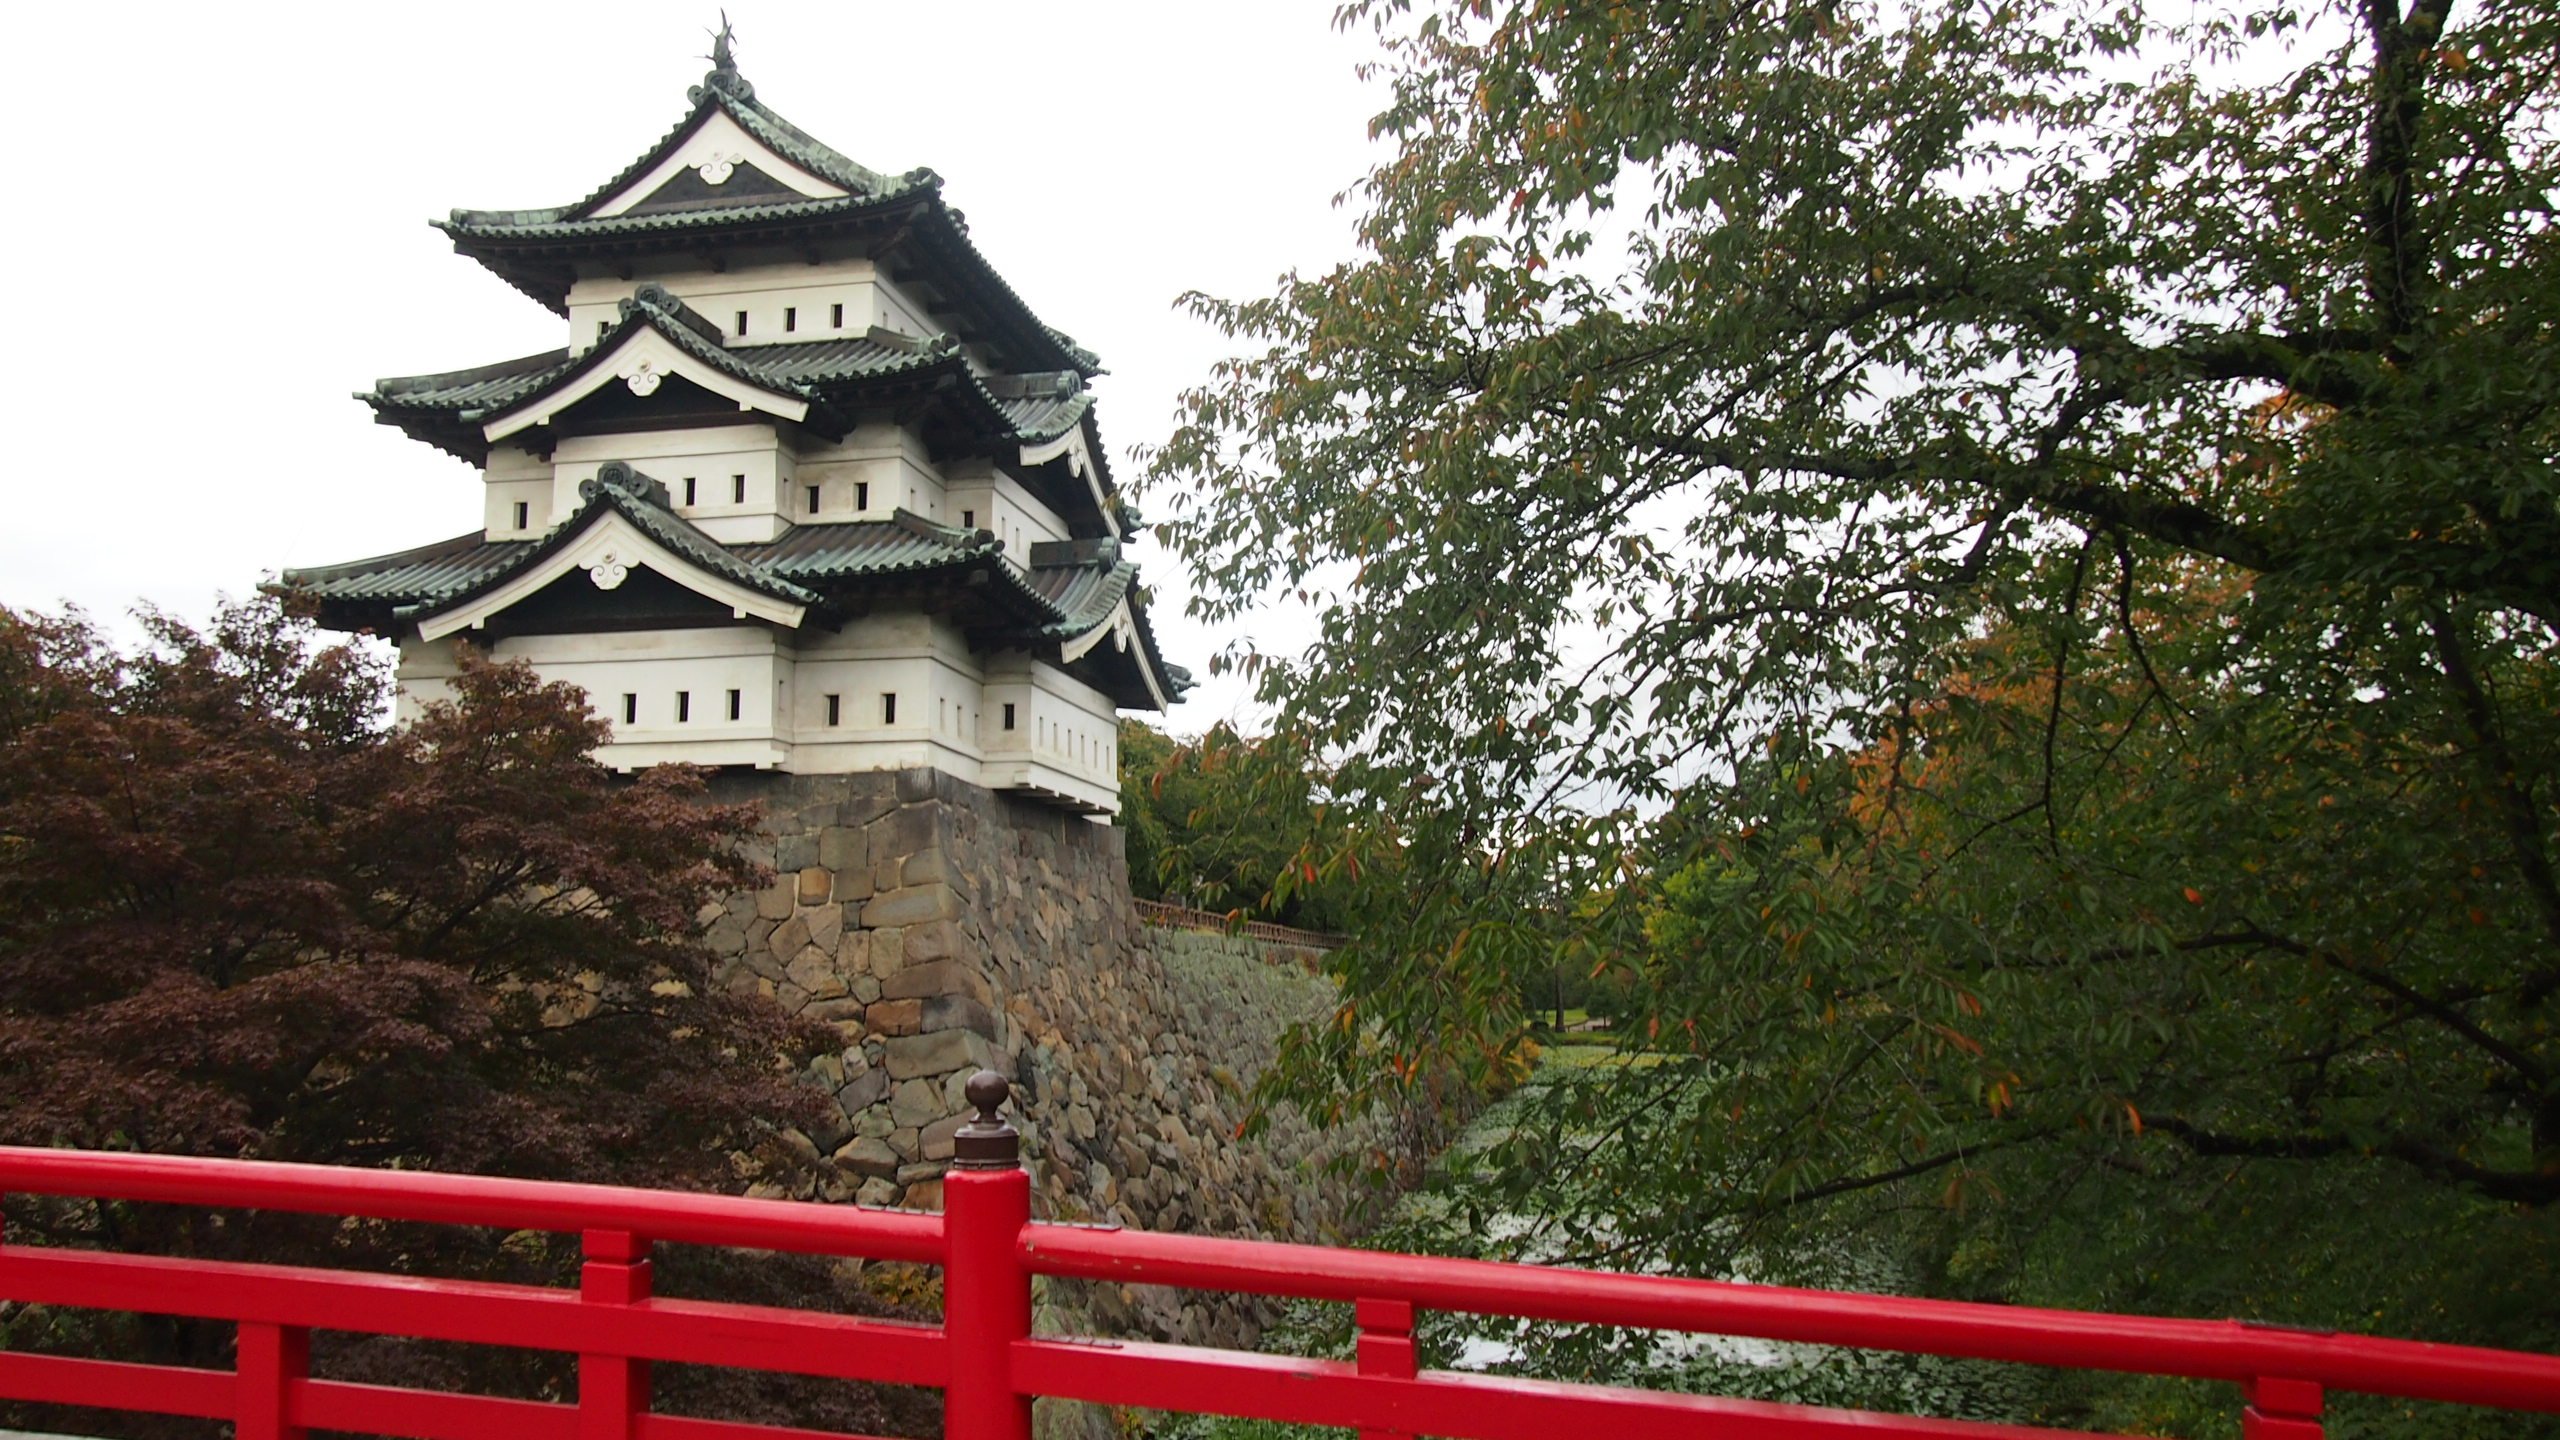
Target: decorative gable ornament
(716, 167)
(609, 569)
(644, 377)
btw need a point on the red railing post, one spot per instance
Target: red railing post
(2281, 1410)
(613, 1390)
(986, 1292)
(1385, 1347)
(270, 1359)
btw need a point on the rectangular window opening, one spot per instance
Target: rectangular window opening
(688, 490)
(742, 322)
(684, 706)
(736, 704)
(524, 514)
(862, 495)
(968, 519)
(601, 327)
(835, 709)
(835, 316)
(1008, 715)
(790, 318)
(630, 708)
(737, 489)
(813, 499)
(889, 708)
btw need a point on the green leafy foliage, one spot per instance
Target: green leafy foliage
(1993, 571)
(1234, 823)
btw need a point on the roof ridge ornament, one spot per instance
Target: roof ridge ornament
(724, 78)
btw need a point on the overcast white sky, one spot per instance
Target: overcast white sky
(219, 232)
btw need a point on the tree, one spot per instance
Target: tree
(1228, 822)
(240, 917)
(1960, 478)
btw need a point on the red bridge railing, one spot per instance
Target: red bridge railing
(990, 1364)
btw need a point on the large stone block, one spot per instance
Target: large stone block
(867, 1156)
(910, 830)
(953, 1012)
(937, 977)
(913, 1103)
(894, 1017)
(936, 1141)
(840, 847)
(933, 940)
(795, 852)
(816, 884)
(788, 939)
(913, 905)
(940, 1053)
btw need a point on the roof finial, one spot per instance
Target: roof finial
(722, 57)
(724, 77)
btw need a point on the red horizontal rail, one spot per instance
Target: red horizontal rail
(530, 1317)
(985, 1356)
(2200, 1349)
(478, 1200)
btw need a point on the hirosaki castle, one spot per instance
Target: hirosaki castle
(808, 489)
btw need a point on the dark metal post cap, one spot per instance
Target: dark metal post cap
(987, 1142)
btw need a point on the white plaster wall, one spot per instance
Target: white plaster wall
(784, 304)
(1065, 739)
(711, 457)
(1002, 505)
(889, 459)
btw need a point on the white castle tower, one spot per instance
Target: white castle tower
(808, 488)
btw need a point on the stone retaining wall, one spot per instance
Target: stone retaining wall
(940, 928)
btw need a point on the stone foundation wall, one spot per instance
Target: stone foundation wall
(941, 928)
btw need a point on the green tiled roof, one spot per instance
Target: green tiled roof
(447, 567)
(906, 544)
(831, 375)
(909, 205)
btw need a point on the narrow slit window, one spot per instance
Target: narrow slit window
(968, 519)
(790, 318)
(737, 489)
(684, 706)
(524, 514)
(835, 316)
(889, 708)
(630, 708)
(813, 499)
(835, 709)
(688, 490)
(742, 322)
(737, 704)
(862, 495)
(1008, 715)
